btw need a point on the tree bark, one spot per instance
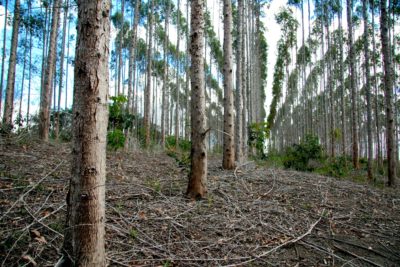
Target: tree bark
(148, 84)
(239, 85)
(84, 232)
(228, 161)
(132, 58)
(368, 90)
(9, 100)
(164, 113)
(60, 83)
(352, 87)
(178, 37)
(45, 96)
(388, 84)
(198, 173)
(3, 57)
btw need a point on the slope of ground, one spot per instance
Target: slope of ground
(251, 217)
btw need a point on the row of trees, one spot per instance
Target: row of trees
(339, 85)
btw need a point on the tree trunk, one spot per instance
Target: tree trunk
(45, 97)
(352, 87)
(198, 173)
(60, 84)
(228, 161)
(164, 113)
(178, 37)
(342, 85)
(132, 58)
(368, 91)
(388, 85)
(239, 85)
(148, 85)
(3, 57)
(9, 100)
(84, 232)
(121, 44)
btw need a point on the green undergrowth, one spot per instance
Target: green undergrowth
(181, 154)
(308, 156)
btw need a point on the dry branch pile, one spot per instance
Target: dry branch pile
(251, 217)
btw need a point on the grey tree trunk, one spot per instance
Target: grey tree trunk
(228, 159)
(239, 85)
(132, 57)
(148, 84)
(164, 113)
(85, 227)
(60, 83)
(45, 96)
(388, 84)
(3, 56)
(9, 100)
(368, 90)
(178, 37)
(352, 87)
(197, 186)
(342, 85)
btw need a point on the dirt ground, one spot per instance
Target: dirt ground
(251, 217)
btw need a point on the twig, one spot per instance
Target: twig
(291, 241)
(356, 256)
(21, 197)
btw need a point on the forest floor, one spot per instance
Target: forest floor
(252, 216)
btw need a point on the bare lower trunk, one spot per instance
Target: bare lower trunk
(9, 100)
(198, 173)
(239, 85)
(45, 97)
(84, 232)
(388, 84)
(228, 161)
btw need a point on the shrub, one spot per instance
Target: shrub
(115, 139)
(299, 156)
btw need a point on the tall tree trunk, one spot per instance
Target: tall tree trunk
(164, 113)
(3, 56)
(375, 81)
(121, 41)
(148, 85)
(45, 97)
(178, 37)
(239, 85)
(187, 67)
(30, 67)
(368, 90)
(352, 87)
(85, 227)
(197, 186)
(228, 161)
(245, 71)
(388, 85)
(20, 119)
(342, 85)
(60, 84)
(9, 100)
(132, 58)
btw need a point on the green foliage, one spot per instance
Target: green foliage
(184, 145)
(119, 121)
(336, 167)
(257, 136)
(300, 156)
(115, 139)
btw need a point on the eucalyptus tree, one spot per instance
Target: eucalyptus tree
(84, 234)
(3, 56)
(287, 40)
(228, 161)
(388, 86)
(178, 37)
(353, 90)
(165, 75)
(45, 96)
(197, 186)
(239, 85)
(61, 72)
(148, 71)
(9, 100)
(132, 57)
(368, 89)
